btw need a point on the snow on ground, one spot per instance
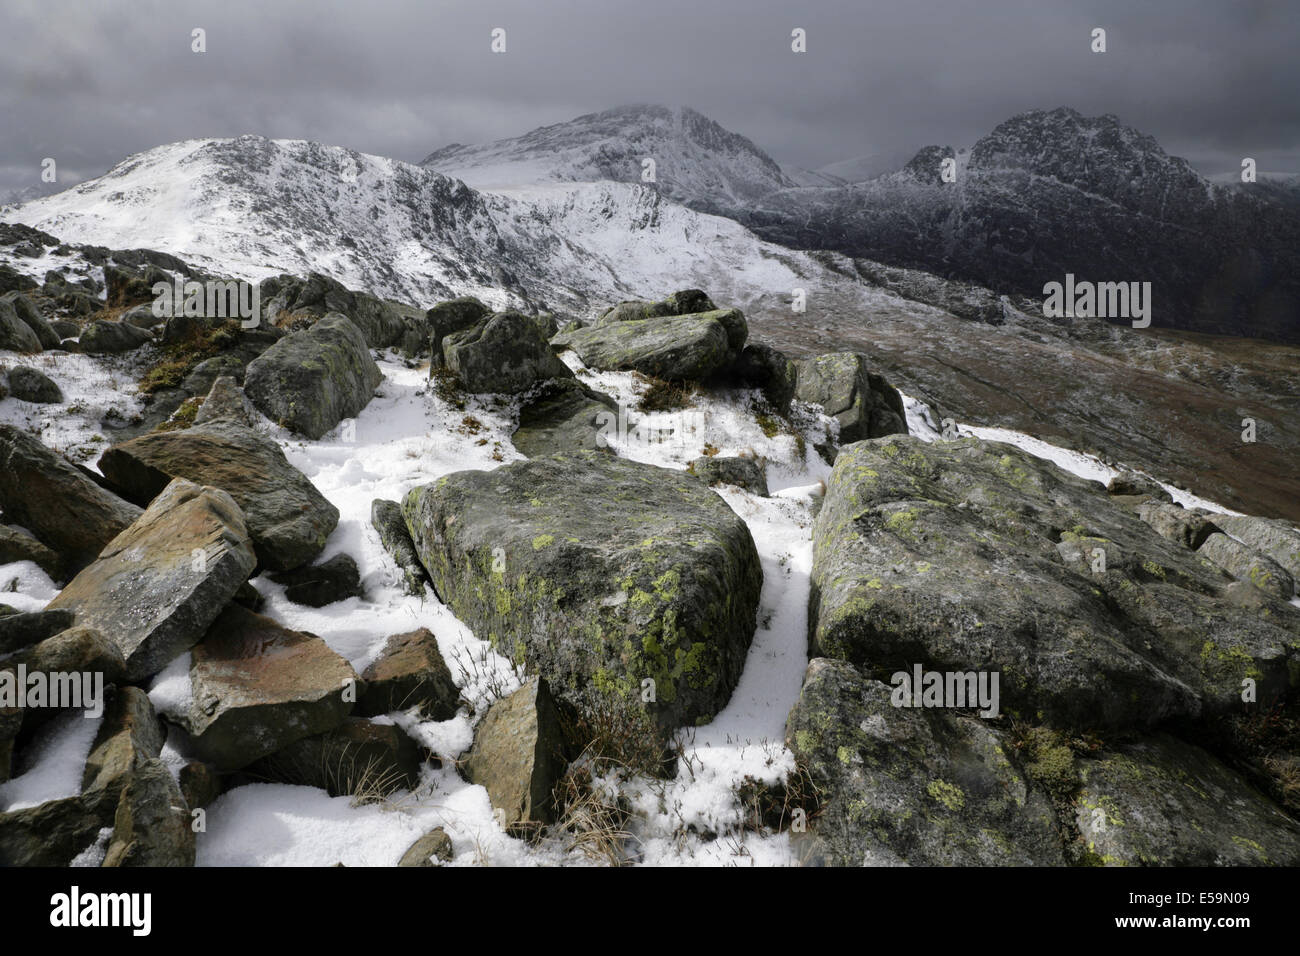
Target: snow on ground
(405, 437)
(50, 766)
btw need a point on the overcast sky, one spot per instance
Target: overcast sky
(89, 83)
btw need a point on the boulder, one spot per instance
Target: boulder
(358, 758)
(861, 401)
(564, 415)
(287, 300)
(200, 784)
(24, 629)
(100, 337)
(54, 832)
(258, 687)
(226, 400)
(157, 586)
(286, 517)
(152, 826)
(763, 367)
(317, 585)
(1276, 539)
(130, 734)
(1161, 802)
(409, 672)
(386, 516)
(31, 316)
(976, 556)
(504, 353)
(1131, 484)
(747, 473)
(432, 849)
(46, 494)
(18, 545)
(130, 286)
(1175, 522)
(455, 315)
(1246, 564)
(76, 651)
(904, 786)
(601, 573)
(310, 381)
(32, 385)
(15, 334)
(687, 348)
(518, 757)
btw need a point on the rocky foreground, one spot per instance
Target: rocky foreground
(1147, 655)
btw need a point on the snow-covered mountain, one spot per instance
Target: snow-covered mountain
(252, 207)
(696, 161)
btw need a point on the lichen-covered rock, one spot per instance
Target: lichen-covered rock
(747, 473)
(1177, 523)
(1246, 564)
(386, 516)
(46, 494)
(409, 672)
(309, 381)
(861, 401)
(31, 316)
(101, 337)
(687, 348)
(288, 299)
(601, 573)
(1130, 484)
(919, 787)
(157, 586)
(287, 518)
(455, 315)
(33, 385)
(1276, 539)
(15, 334)
(518, 757)
(504, 352)
(1162, 802)
(564, 415)
(259, 686)
(967, 555)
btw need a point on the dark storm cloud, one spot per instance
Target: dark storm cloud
(91, 83)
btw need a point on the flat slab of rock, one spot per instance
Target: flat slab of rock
(48, 495)
(975, 556)
(518, 756)
(601, 573)
(310, 381)
(287, 518)
(410, 672)
(687, 348)
(863, 403)
(317, 585)
(1176, 523)
(258, 687)
(1163, 802)
(902, 786)
(564, 416)
(157, 586)
(432, 849)
(1277, 539)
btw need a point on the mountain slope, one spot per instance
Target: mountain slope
(697, 162)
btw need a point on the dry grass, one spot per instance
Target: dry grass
(594, 818)
(661, 396)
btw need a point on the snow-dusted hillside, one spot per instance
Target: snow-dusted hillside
(696, 161)
(252, 207)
